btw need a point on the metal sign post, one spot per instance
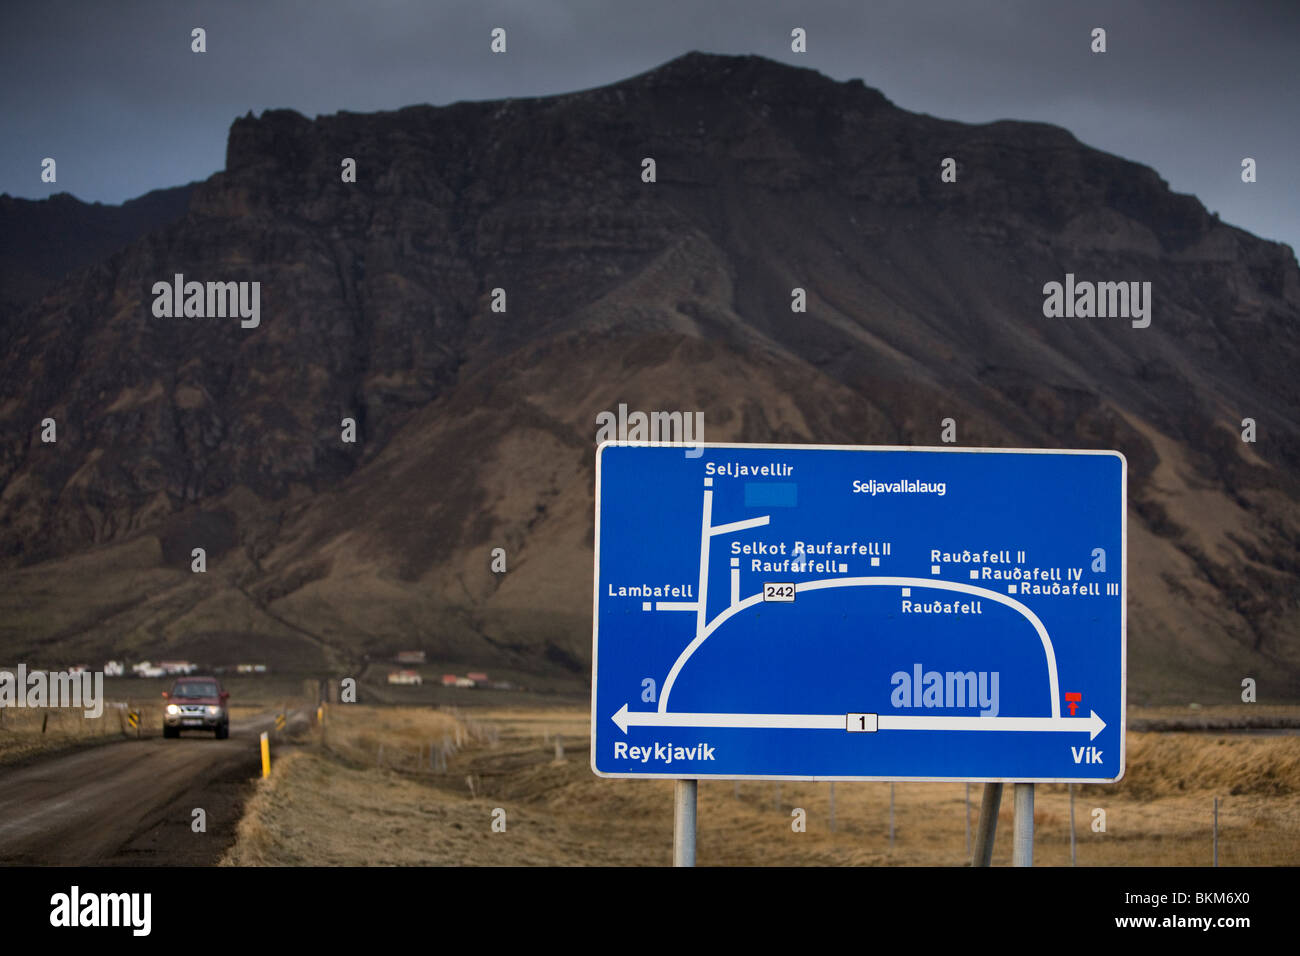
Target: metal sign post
(987, 828)
(684, 822)
(1022, 846)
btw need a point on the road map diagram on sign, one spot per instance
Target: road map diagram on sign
(859, 613)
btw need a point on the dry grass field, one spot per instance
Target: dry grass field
(335, 804)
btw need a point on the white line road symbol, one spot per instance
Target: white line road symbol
(704, 630)
(1091, 725)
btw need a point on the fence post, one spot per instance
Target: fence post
(967, 816)
(1216, 831)
(1072, 850)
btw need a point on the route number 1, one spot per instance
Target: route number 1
(860, 723)
(779, 592)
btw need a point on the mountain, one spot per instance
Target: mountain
(476, 428)
(41, 241)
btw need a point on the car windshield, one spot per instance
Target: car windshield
(197, 689)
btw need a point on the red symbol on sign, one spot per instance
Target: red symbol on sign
(1074, 701)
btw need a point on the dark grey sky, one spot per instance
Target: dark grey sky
(113, 93)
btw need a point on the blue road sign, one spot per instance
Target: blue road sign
(859, 613)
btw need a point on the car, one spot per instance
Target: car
(196, 703)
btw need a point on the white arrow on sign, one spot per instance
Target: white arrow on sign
(1092, 724)
(652, 718)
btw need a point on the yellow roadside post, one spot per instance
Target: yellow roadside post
(266, 755)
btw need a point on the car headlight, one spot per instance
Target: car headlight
(213, 711)
(173, 709)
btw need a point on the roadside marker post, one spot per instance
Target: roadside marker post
(1003, 662)
(266, 755)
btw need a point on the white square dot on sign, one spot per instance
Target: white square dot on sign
(907, 592)
(708, 482)
(645, 605)
(735, 562)
(1011, 589)
(974, 575)
(844, 569)
(875, 562)
(934, 569)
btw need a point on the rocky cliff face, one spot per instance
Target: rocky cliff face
(476, 428)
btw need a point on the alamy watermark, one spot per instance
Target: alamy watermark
(39, 688)
(673, 428)
(200, 300)
(76, 908)
(1101, 300)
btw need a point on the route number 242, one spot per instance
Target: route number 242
(778, 592)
